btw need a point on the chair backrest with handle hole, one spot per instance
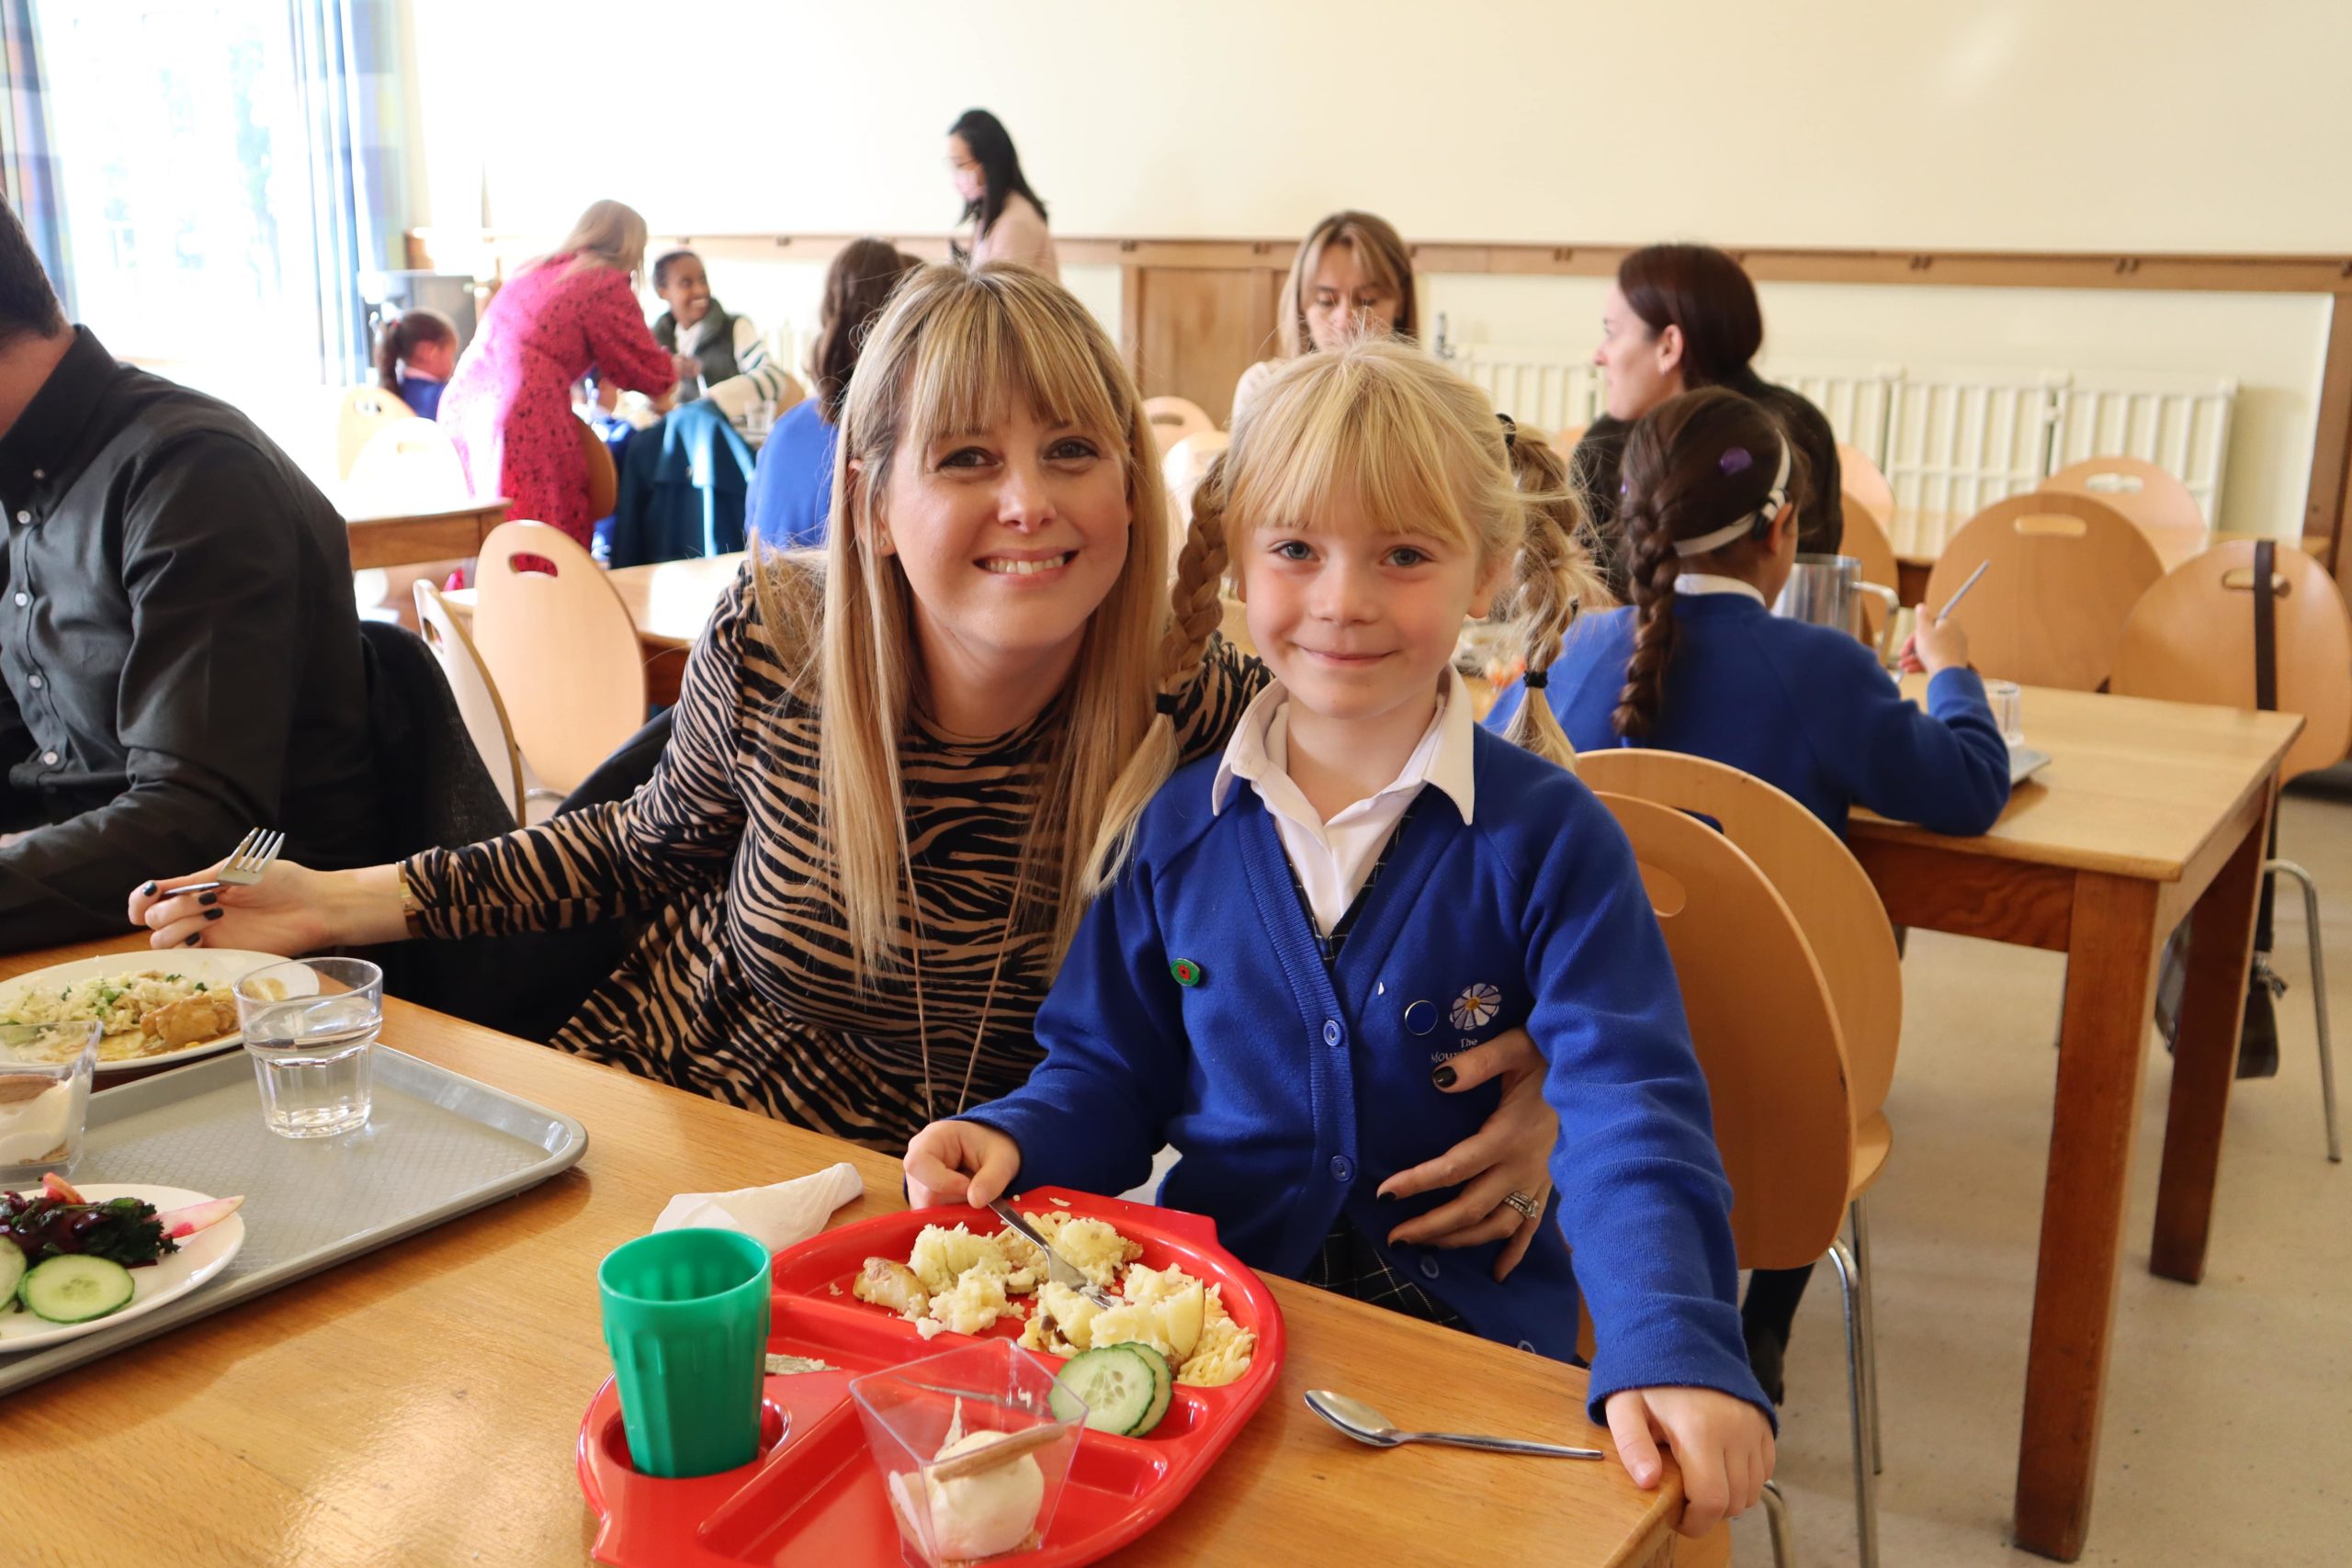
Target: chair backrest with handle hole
(1174, 419)
(363, 411)
(1860, 478)
(603, 477)
(560, 644)
(1765, 1031)
(2191, 639)
(2154, 502)
(2065, 572)
(409, 465)
(478, 700)
(1826, 888)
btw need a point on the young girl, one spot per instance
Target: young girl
(1294, 933)
(415, 352)
(1698, 663)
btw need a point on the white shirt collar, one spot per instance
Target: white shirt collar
(1445, 758)
(1705, 582)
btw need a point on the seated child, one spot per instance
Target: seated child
(415, 352)
(1286, 939)
(725, 352)
(1698, 663)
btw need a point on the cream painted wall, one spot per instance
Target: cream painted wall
(2079, 124)
(2011, 124)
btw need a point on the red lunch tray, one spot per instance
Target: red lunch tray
(815, 1497)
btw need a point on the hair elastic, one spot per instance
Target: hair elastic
(1755, 521)
(1165, 702)
(1538, 679)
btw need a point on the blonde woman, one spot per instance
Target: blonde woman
(508, 408)
(850, 922)
(1353, 278)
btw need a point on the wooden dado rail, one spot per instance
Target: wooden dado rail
(1194, 313)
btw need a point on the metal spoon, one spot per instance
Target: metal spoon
(1365, 1424)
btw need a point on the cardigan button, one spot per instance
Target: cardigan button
(1343, 1170)
(1428, 1267)
(1330, 1032)
(1420, 1018)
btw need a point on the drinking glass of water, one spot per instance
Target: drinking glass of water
(309, 1025)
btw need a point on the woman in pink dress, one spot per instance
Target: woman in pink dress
(508, 408)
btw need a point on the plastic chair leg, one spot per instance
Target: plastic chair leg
(1870, 1330)
(1865, 1477)
(2319, 1001)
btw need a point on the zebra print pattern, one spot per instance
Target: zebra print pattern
(739, 987)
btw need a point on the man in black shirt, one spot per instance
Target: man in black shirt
(179, 642)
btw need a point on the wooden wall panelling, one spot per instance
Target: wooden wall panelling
(1197, 329)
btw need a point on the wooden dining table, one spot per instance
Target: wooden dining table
(422, 1405)
(2148, 811)
(411, 538)
(669, 603)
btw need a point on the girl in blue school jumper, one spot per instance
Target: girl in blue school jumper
(1698, 663)
(1294, 933)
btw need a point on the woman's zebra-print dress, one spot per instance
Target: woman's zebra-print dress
(739, 987)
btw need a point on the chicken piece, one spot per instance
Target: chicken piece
(206, 1016)
(891, 1284)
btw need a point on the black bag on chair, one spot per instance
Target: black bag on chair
(2259, 1038)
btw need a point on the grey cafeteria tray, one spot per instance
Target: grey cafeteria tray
(437, 1144)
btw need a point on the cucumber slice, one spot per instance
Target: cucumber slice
(1163, 1386)
(1118, 1386)
(12, 1267)
(75, 1288)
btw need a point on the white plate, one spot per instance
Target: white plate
(201, 1257)
(217, 967)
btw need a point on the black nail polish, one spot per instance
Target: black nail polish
(208, 898)
(194, 940)
(214, 914)
(1443, 1077)
(148, 891)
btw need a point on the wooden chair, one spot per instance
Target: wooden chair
(1859, 477)
(1185, 466)
(477, 700)
(561, 648)
(2154, 502)
(2065, 572)
(363, 411)
(408, 465)
(1768, 1039)
(603, 478)
(1866, 541)
(1844, 922)
(2191, 639)
(1174, 419)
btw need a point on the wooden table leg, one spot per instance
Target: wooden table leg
(2111, 964)
(2205, 1058)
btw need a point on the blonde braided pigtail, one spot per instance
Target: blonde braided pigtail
(1195, 609)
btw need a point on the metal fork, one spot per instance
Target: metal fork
(253, 856)
(1060, 1269)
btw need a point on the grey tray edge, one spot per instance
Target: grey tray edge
(22, 1371)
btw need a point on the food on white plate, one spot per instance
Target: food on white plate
(145, 1013)
(68, 1260)
(1125, 1389)
(959, 1281)
(984, 1514)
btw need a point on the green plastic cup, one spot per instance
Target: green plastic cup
(687, 1321)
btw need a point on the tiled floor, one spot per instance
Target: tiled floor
(2228, 1436)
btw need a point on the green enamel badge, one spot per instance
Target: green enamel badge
(1187, 972)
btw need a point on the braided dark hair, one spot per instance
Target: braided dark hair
(1694, 465)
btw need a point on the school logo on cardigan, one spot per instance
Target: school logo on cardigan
(1476, 1007)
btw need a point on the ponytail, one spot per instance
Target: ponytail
(387, 356)
(1196, 610)
(399, 338)
(1650, 575)
(1552, 581)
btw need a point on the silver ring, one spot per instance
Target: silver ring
(1528, 1207)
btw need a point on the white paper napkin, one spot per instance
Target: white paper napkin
(775, 1216)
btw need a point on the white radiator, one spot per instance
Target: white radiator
(1950, 442)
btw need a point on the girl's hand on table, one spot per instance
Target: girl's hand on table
(952, 1162)
(1724, 1445)
(1512, 1152)
(292, 910)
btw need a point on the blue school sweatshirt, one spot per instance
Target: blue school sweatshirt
(1805, 708)
(1293, 1089)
